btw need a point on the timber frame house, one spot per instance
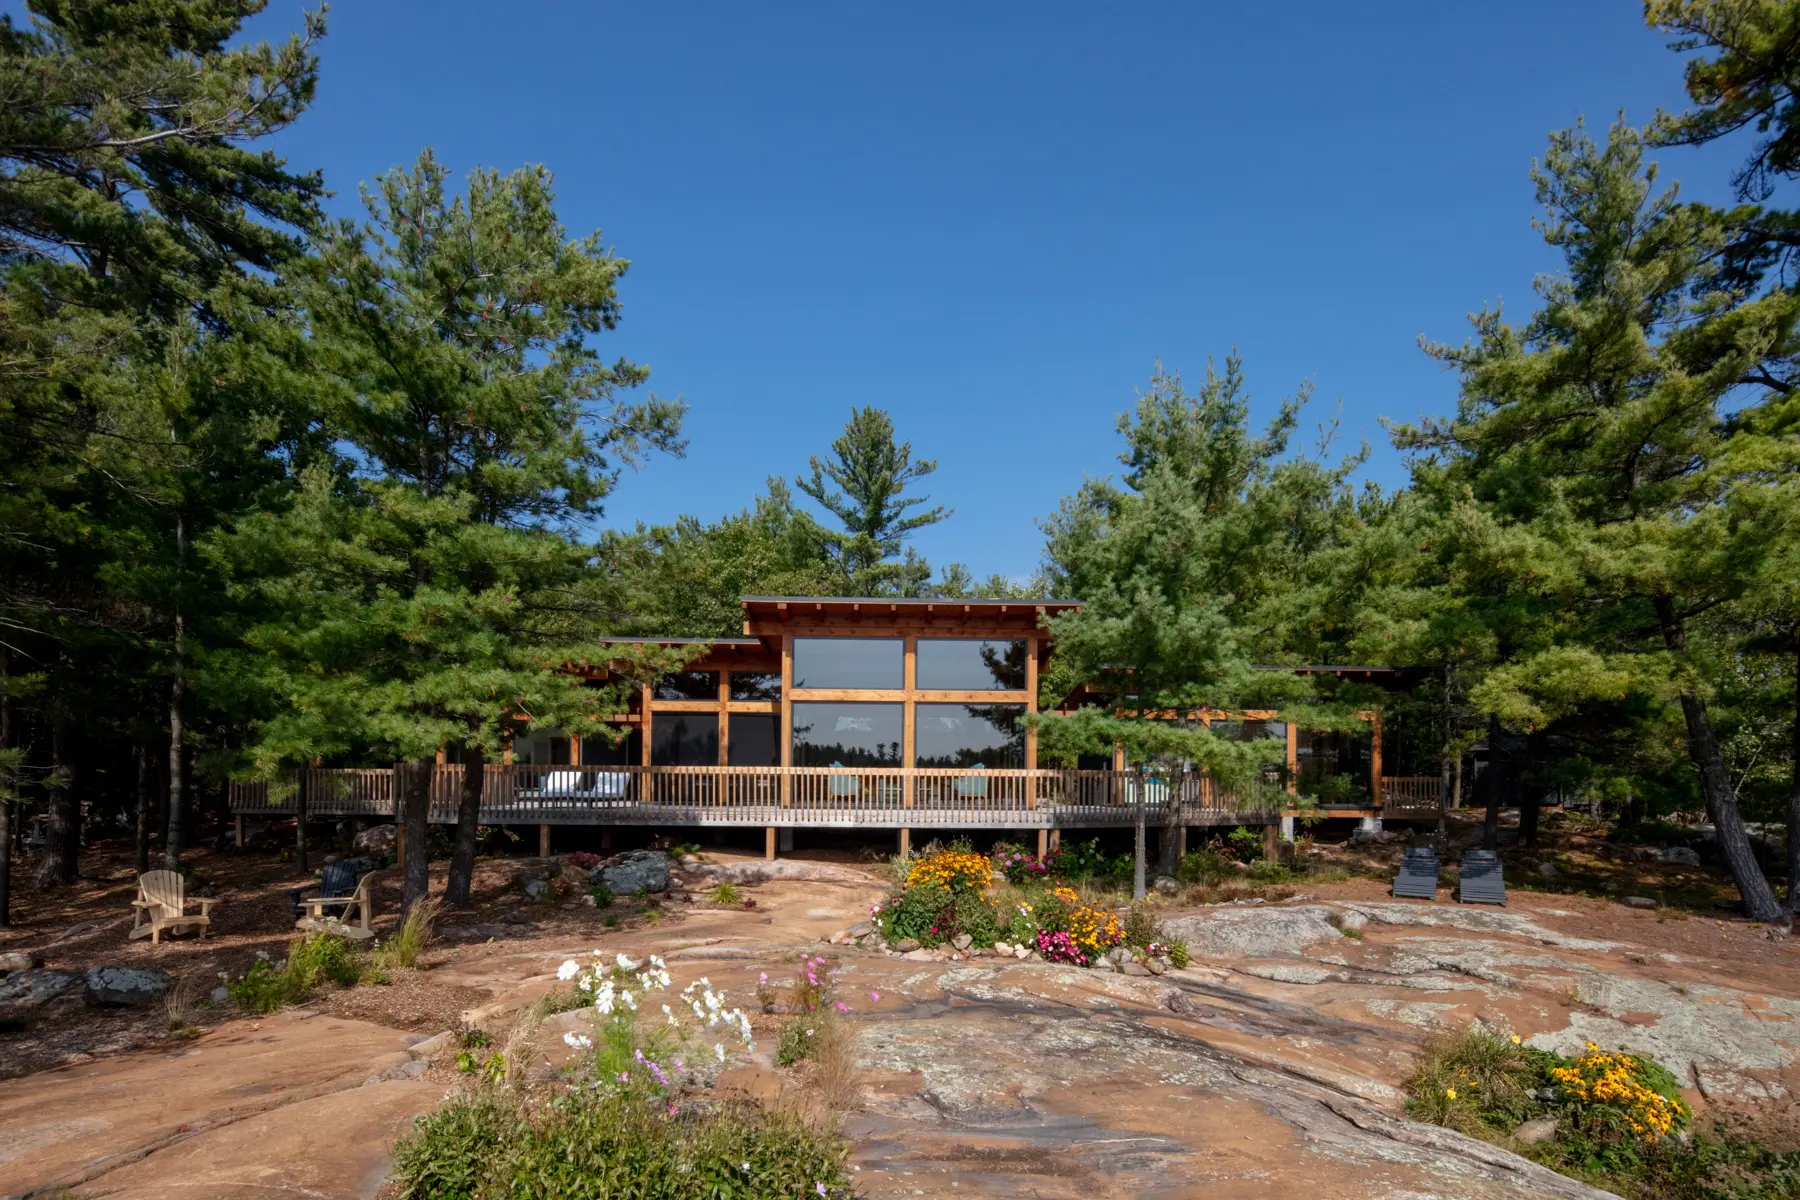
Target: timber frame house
(845, 712)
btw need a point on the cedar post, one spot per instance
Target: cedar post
(909, 744)
(1271, 834)
(769, 842)
(238, 824)
(905, 841)
(544, 841)
(1043, 842)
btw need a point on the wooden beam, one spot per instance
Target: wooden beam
(908, 718)
(786, 732)
(1375, 758)
(724, 719)
(769, 842)
(543, 841)
(644, 750)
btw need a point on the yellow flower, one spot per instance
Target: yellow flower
(1450, 1092)
(1515, 1039)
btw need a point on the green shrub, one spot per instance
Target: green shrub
(914, 913)
(1206, 867)
(725, 893)
(1142, 927)
(319, 958)
(415, 934)
(1178, 953)
(1247, 844)
(263, 988)
(611, 920)
(603, 895)
(594, 1145)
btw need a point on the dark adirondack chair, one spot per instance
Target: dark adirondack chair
(1481, 879)
(1418, 874)
(337, 879)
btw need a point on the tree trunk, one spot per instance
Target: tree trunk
(1167, 860)
(141, 759)
(468, 820)
(6, 804)
(1529, 796)
(1793, 805)
(300, 823)
(416, 884)
(172, 836)
(62, 832)
(1489, 786)
(1715, 784)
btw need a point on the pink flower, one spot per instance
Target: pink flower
(874, 995)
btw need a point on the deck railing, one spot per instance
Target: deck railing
(794, 796)
(1412, 795)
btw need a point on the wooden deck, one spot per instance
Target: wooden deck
(813, 797)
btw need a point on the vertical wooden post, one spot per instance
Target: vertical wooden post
(544, 841)
(238, 821)
(786, 733)
(1375, 758)
(606, 837)
(399, 785)
(724, 718)
(905, 841)
(769, 842)
(1181, 844)
(1056, 839)
(1293, 759)
(1043, 842)
(1031, 688)
(1271, 834)
(909, 746)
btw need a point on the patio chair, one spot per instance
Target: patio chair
(359, 903)
(1482, 882)
(162, 904)
(1418, 874)
(842, 787)
(971, 787)
(337, 881)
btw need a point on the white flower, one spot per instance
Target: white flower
(720, 1051)
(576, 1041)
(628, 1001)
(569, 970)
(625, 964)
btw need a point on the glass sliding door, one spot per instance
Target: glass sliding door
(1334, 766)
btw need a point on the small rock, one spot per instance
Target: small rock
(1120, 955)
(1132, 968)
(1105, 964)
(1003, 948)
(19, 960)
(962, 941)
(432, 1045)
(378, 839)
(1533, 1132)
(906, 945)
(1637, 902)
(1548, 870)
(1168, 885)
(1157, 965)
(537, 889)
(125, 987)
(1679, 855)
(221, 995)
(918, 955)
(860, 929)
(1023, 952)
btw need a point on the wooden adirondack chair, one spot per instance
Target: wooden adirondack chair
(162, 904)
(361, 902)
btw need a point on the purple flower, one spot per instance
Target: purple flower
(874, 995)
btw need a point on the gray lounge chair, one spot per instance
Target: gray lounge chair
(1418, 876)
(1481, 879)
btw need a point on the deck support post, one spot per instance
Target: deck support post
(1271, 838)
(1043, 842)
(543, 841)
(1371, 824)
(1180, 843)
(1287, 828)
(769, 842)
(905, 841)
(1138, 890)
(1056, 839)
(606, 837)
(784, 841)
(238, 824)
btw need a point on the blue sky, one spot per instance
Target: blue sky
(992, 219)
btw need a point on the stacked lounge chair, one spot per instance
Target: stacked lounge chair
(1481, 879)
(1418, 874)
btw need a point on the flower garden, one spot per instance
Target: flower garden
(950, 896)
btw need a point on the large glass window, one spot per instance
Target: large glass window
(603, 752)
(849, 662)
(541, 749)
(684, 739)
(969, 735)
(830, 734)
(755, 740)
(755, 685)
(971, 664)
(1334, 766)
(688, 685)
(1256, 731)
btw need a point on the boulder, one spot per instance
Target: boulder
(378, 839)
(962, 941)
(1349, 922)
(1003, 948)
(906, 945)
(1132, 968)
(124, 987)
(434, 1044)
(1533, 1132)
(537, 889)
(19, 960)
(1637, 902)
(1260, 932)
(918, 954)
(626, 873)
(1679, 855)
(1168, 885)
(31, 990)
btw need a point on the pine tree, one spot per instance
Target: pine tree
(863, 484)
(1591, 451)
(423, 591)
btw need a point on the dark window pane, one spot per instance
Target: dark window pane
(599, 751)
(687, 685)
(755, 740)
(971, 664)
(1334, 767)
(849, 663)
(683, 739)
(832, 734)
(1254, 731)
(755, 685)
(969, 735)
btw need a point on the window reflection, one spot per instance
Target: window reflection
(1255, 730)
(971, 664)
(755, 740)
(849, 662)
(1334, 765)
(599, 751)
(755, 685)
(683, 739)
(969, 735)
(831, 734)
(687, 685)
